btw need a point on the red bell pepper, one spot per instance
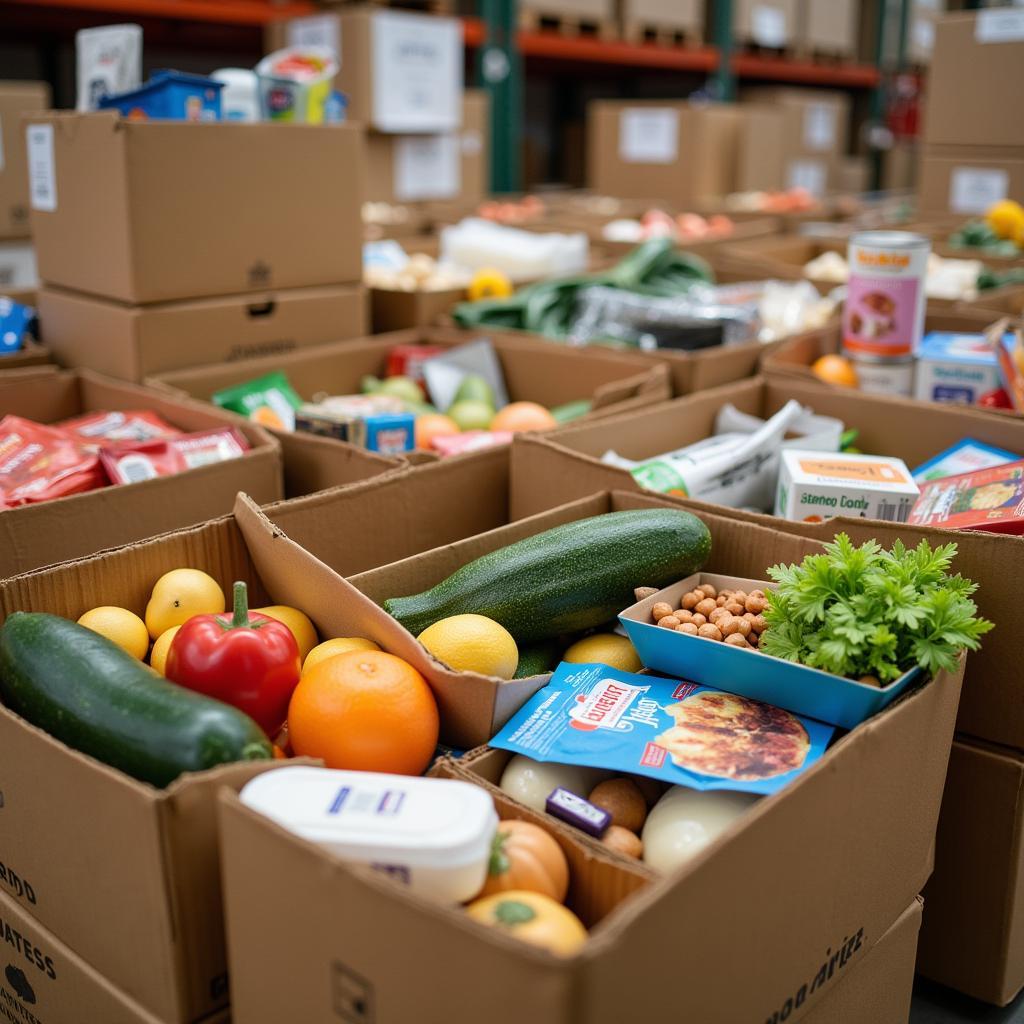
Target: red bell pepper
(246, 659)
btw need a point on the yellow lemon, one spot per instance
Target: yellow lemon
(162, 644)
(472, 643)
(332, 648)
(489, 284)
(298, 622)
(1006, 218)
(605, 649)
(120, 626)
(180, 594)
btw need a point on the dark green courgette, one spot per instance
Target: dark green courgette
(90, 694)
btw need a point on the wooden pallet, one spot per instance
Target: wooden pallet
(531, 20)
(663, 35)
(422, 6)
(752, 49)
(827, 58)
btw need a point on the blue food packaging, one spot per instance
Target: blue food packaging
(16, 323)
(169, 96)
(668, 729)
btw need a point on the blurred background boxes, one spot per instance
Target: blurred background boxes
(16, 98)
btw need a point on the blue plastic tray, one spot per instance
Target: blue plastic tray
(797, 688)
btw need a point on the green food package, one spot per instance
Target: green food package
(270, 401)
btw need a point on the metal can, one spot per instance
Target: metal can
(884, 375)
(885, 298)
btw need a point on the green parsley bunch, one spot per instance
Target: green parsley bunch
(861, 611)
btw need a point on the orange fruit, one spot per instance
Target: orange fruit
(431, 425)
(835, 370)
(365, 711)
(522, 416)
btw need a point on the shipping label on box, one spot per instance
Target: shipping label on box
(814, 487)
(42, 175)
(820, 127)
(427, 167)
(317, 30)
(417, 72)
(768, 26)
(999, 26)
(648, 136)
(975, 189)
(811, 175)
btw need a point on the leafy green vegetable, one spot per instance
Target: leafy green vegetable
(862, 611)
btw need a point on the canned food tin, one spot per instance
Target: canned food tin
(881, 375)
(885, 298)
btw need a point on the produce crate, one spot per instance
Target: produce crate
(850, 839)
(52, 531)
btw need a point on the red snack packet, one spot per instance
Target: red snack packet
(130, 461)
(469, 441)
(38, 463)
(408, 360)
(99, 428)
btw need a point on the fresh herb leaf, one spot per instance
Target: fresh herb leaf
(857, 611)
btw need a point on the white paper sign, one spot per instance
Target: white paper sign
(648, 135)
(809, 174)
(820, 127)
(768, 26)
(472, 143)
(318, 30)
(924, 36)
(427, 167)
(975, 189)
(42, 174)
(417, 72)
(999, 25)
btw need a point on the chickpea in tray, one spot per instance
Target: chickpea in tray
(731, 616)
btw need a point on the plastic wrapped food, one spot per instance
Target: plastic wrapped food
(131, 461)
(38, 463)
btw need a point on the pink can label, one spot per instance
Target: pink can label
(880, 315)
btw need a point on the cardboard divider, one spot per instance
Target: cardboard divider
(47, 532)
(599, 879)
(781, 258)
(545, 474)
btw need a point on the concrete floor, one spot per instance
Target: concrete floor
(934, 1004)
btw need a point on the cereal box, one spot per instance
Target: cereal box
(989, 499)
(965, 456)
(814, 486)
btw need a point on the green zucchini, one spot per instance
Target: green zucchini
(568, 579)
(572, 410)
(90, 694)
(537, 659)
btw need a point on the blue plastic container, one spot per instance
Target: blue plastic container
(797, 688)
(169, 96)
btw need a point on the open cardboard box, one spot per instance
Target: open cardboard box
(51, 531)
(533, 370)
(973, 934)
(782, 258)
(795, 356)
(838, 855)
(764, 226)
(32, 354)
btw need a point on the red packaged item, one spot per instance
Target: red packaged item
(469, 441)
(130, 461)
(988, 499)
(100, 428)
(408, 360)
(38, 463)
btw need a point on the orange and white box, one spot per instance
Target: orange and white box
(814, 486)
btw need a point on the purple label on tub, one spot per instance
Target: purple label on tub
(574, 810)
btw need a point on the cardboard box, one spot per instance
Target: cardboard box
(854, 174)
(967, 180)
(678, 152)
(59, 986)
(761, 154)
(583, 10)
(780, 257)
(768, 23)
(973, 934)
(135, 342)
(899, 166)
(16, 98)
(536, 371)
(64, 528)
(30, 355)
(149, 855)
(452, 165)
(182, 211)
(686, 16)
(828, 26)
(921, 35)
(836, 855)
(394, 310)
(18, 267)
(965, 109)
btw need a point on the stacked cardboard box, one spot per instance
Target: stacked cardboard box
(673, 152)
(828, 27)
(809, 129)
(768, 23)
(402, 73)
(973, 134)
(17, 259)
(163, 245)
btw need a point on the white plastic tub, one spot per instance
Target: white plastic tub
(433, 834)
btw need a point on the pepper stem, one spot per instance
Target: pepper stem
(241, 616)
